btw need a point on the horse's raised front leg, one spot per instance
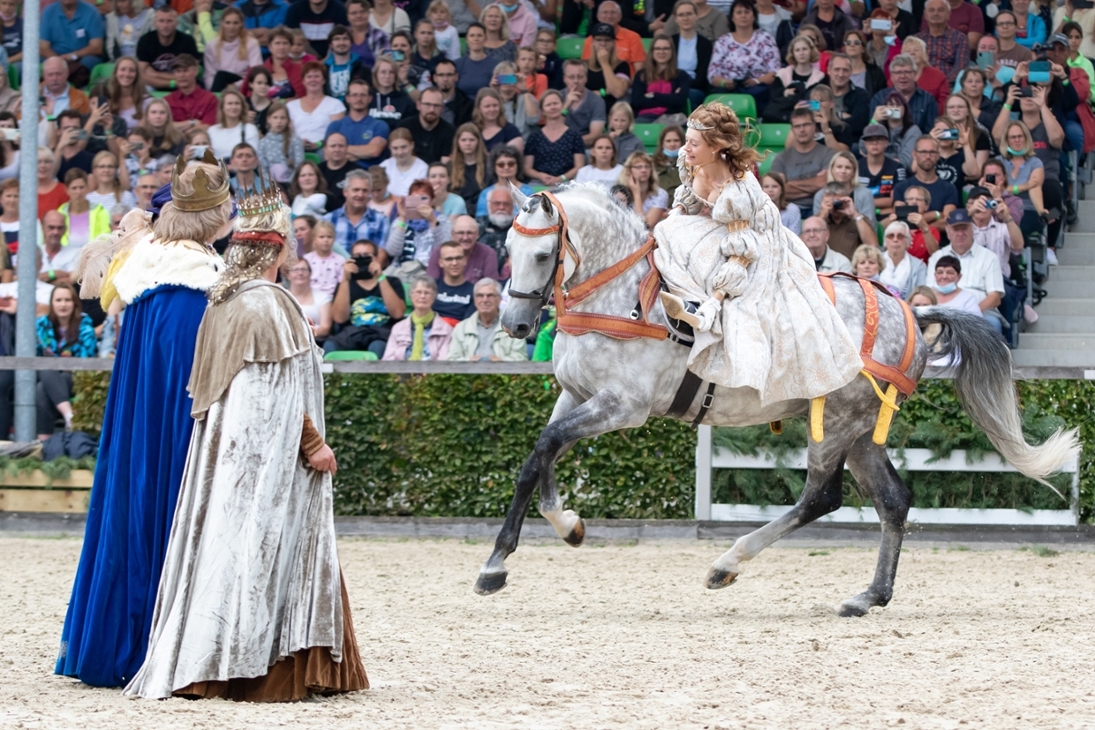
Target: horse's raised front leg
(570, 422)
(872, 468)
(821, 495)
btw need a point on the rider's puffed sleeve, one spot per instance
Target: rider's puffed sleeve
(685, 201)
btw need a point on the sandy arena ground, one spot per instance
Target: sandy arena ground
(625, 637)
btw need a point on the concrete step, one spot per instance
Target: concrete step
(1073, 273)
(1024, 357)
(1060, 288)
(1085, 212)
(1062, 307)
(1077, 242)
(1049, 324)
(1080, 342)
(1077, 255)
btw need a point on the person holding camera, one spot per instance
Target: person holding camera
(924, 240)
(957, 162)
(993, 227)
(848, 228)
(367, 302)
(893, 115)
(417, 229)
(994, 178)
(918, 105)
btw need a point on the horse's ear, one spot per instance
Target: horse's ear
(545, 205)
(519, 198)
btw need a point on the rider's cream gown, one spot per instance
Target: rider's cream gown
(777, 332)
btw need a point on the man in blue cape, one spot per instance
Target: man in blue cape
(161, 275)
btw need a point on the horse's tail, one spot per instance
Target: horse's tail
(983, 380)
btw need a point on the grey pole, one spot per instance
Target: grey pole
(27, 272)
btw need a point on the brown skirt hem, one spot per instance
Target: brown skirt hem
(308, 671)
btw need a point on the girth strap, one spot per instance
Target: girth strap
(686, 395)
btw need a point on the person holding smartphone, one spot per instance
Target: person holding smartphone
(367, 303)
(417, 229)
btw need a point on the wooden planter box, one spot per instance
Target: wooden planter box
(32, 492)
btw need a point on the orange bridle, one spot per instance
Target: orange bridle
(580, 323)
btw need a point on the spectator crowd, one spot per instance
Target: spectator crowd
(926, 141)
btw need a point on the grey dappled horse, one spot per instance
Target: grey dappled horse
(609, 384)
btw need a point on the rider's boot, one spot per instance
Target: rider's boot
(700, 317)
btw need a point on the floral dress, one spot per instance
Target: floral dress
(777, 332)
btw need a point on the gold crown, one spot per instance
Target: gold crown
(267, 199)
(204, 196)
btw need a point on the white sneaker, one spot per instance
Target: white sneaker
(1051, 257)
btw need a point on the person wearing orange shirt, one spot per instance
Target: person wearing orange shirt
(629, 45)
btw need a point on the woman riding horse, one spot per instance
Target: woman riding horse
(766, 324)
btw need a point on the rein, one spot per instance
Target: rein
(580, 323)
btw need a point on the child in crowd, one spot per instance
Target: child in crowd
(603, 167)
(447, 38)
(620, 122)
(326, 264)
(135, 151)
(528, 80)
(257, 89)
(280, 151)
(299, 50)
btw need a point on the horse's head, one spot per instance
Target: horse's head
(534, 252)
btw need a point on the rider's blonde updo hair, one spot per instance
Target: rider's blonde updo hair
(726, 136)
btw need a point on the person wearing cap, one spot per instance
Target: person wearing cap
(609, 76)
(877, 172)
(161, 274)
(192, 107)
(629, 45)
(993, 226)
(1057, 52)
(980, 268)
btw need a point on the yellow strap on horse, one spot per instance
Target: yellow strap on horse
(777, 427)
(817, 417)
(885, 411)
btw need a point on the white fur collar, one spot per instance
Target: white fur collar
(152, 264)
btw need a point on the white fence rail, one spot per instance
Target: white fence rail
(709, 458)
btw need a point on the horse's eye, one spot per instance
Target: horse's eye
(542, 258)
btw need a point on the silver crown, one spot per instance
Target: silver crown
(700, 126)
(266, 199)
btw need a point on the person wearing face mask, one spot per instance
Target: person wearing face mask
(948, 272)
(670, 142)
(978, 267)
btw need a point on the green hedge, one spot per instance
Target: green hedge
(452, 445)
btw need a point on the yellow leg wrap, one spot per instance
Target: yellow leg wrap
(777, 427)
(817, 418)
(885, 411)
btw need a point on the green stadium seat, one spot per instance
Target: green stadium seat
(463, 46)
(102, 72)
(159, 93)
(766, 164)
(774, 136)
(13, 78)
(349, 355)
(540, 188)
(568, 48)
(744, 105)
(313, 158)
(649, 134)
(647, 42)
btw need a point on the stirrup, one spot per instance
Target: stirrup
(678, 309)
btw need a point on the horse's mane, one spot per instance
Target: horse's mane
(623, 230)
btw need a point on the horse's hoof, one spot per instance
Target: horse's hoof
(854, 608)
(577, 534)
(717, 578)
(489, 583)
